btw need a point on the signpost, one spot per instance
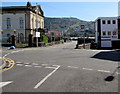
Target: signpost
(37, 26)
(37, 34)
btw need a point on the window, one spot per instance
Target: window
(103, 22)
(8, 35)
(109, 22)
(9, 38)
(113, 22)
(21, 23)
(109, 33)
(114, 32)
(8, 23)
(104, 33)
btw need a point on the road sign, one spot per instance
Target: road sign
(37, 34)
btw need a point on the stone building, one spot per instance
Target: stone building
(21, 21)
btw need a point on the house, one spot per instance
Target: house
(21, 21)
(107, 33)
(54, 35)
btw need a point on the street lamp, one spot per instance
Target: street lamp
(83, 29)
(36, 25)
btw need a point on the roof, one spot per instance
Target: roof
(106, 18)
(21, 8)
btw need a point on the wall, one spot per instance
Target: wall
(15, 24)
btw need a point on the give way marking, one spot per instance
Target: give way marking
(2, 84)
(44, 79)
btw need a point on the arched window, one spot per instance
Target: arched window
(21, 23)
(8, 23)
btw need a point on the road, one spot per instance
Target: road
(60, 68)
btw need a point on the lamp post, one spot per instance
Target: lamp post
(83, 29)
(36, 25)
(14, 32)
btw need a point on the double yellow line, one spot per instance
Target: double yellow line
(10, 65)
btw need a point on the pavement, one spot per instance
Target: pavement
(61, 68)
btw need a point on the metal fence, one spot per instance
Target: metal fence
(22, 40)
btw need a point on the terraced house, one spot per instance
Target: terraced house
(21, 21)
(108, 32)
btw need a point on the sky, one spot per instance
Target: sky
(88, 11)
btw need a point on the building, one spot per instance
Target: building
(21, 21)
(107, 32)
(54, 35)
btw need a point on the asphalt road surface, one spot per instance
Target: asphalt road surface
(61, 68)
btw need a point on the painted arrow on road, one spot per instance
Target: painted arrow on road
(2, 84)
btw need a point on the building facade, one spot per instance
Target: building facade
(107, 32)
(21, 21)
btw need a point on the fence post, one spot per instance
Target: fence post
(13, 40)
(30, 40)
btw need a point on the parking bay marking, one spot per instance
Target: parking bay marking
(44, 79)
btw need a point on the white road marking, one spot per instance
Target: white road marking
(28, 65)
(72, 67)
(56, 65)
(19, 64)
(50, 67)
(104, 71)
(44, 64)
(2, 84)
(13, 52)
(87, 69)
(37, 66)
(44, 79)
(6, 55)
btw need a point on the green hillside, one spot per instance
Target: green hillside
(69, 25)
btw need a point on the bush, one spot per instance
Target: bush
(44, 39)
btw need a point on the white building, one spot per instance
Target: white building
(20, 21)
(107, 32)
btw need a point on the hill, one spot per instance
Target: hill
(68, 25)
